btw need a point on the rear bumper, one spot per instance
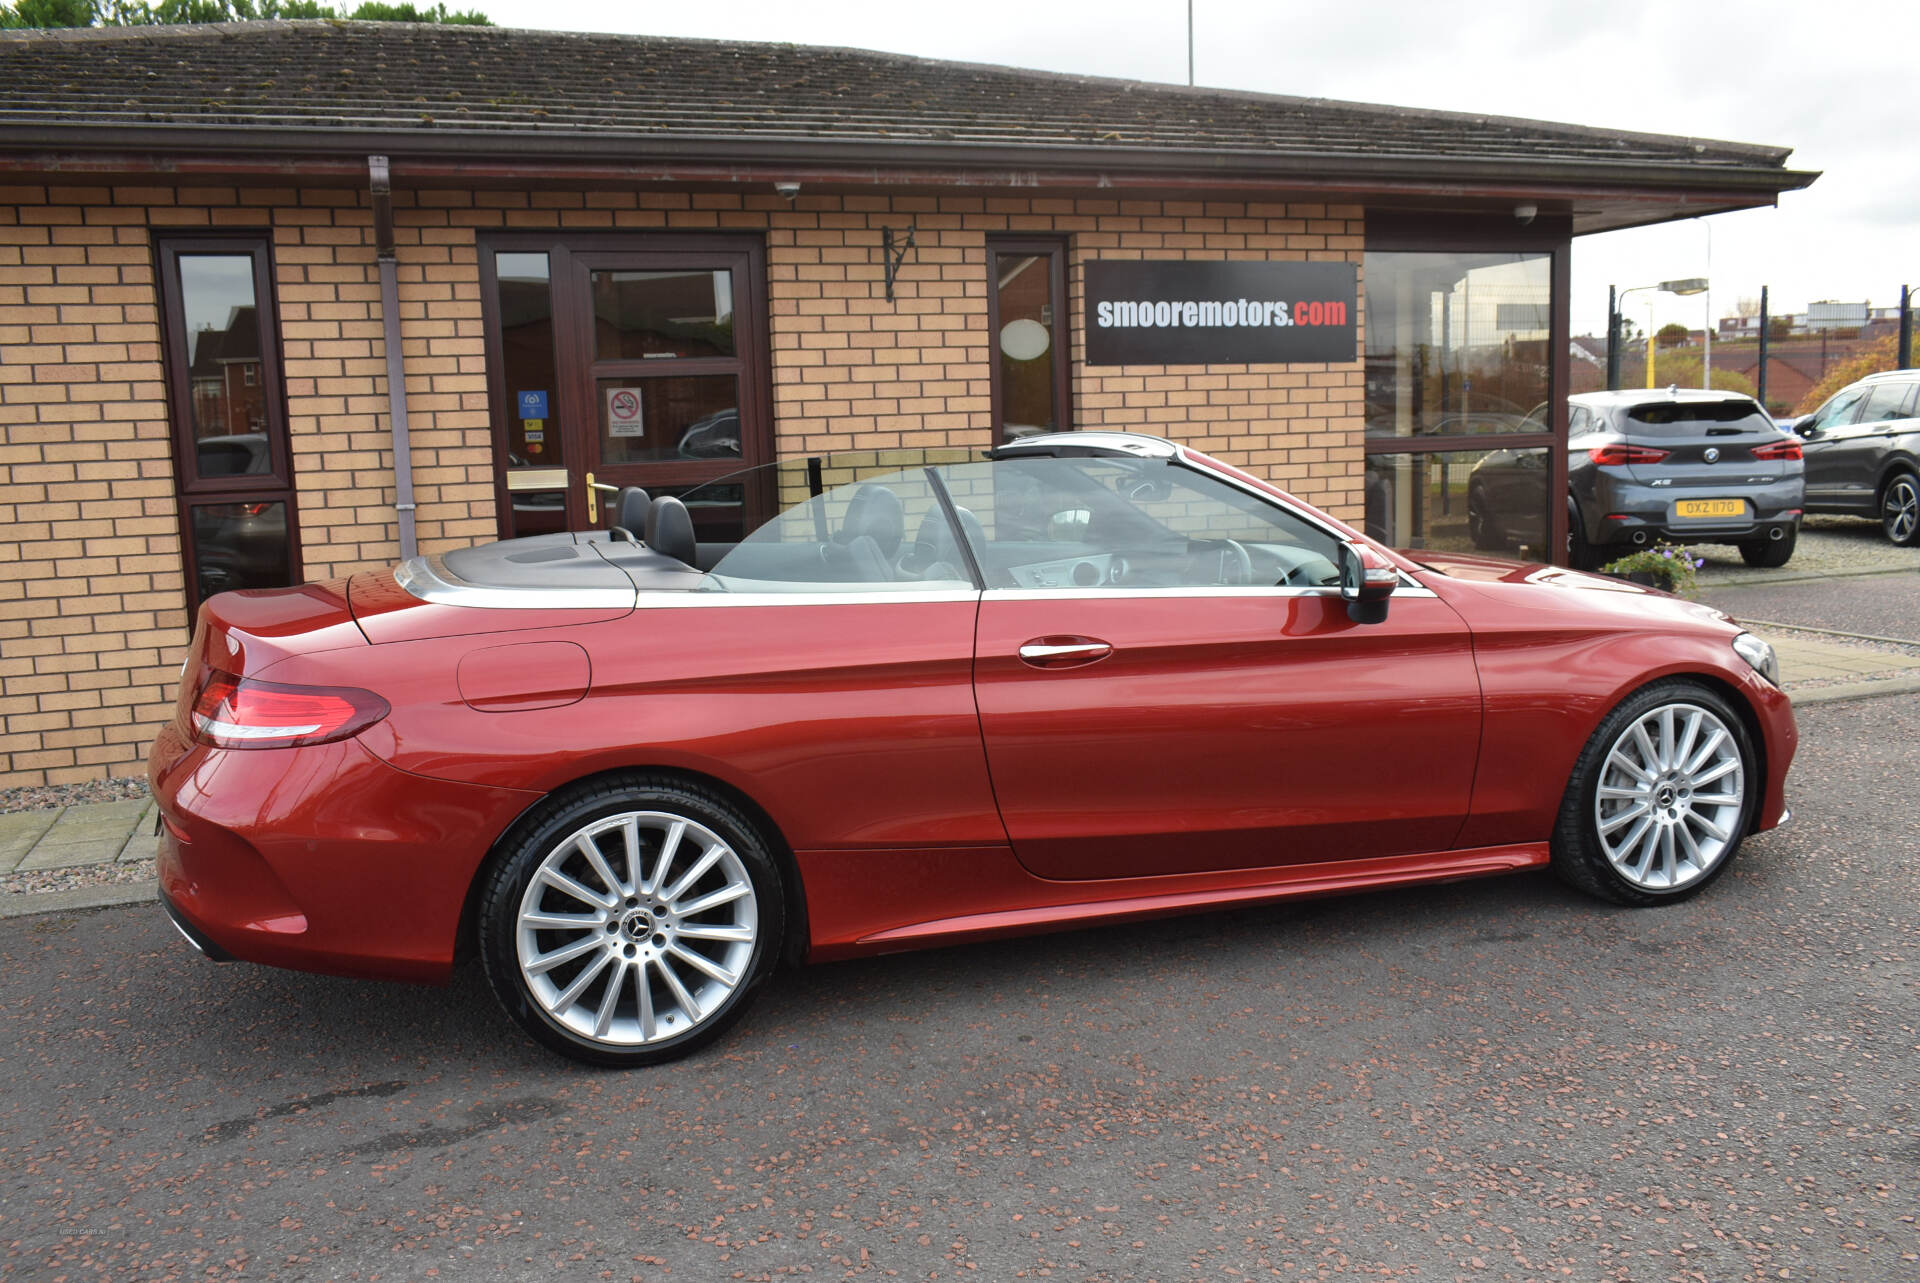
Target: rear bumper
(1627, 512)
(320, 859)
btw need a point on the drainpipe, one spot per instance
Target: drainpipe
(381, 184)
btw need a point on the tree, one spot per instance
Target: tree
(1672, 334)
(1682, 370)
(1875, 357)
(148, 13)
(1748, 305)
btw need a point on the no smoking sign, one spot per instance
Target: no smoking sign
(624, 418)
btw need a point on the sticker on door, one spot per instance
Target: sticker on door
(623, 413)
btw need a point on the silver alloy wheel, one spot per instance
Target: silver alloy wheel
(636, 928)
(1671, 790)
(1900, 510)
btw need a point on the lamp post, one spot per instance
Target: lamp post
(1684, 286)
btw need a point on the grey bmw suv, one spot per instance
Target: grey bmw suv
(1686, 466)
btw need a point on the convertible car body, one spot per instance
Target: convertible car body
(929, 698)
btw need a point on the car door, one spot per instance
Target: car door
(1874, 438)
(1830, 442)
(1168, 681)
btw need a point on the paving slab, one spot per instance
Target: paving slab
(19, 832)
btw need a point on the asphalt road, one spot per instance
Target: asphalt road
(1493, 1080)
(1882, 605)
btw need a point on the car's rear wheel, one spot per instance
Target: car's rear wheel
(1581, 555)
(632, 922)
(1900, 510)
(1769, 552)
(1480, 527)
(1659, 798)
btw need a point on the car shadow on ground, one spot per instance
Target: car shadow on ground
(288, 1017)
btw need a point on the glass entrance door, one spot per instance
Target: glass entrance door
(617, 362)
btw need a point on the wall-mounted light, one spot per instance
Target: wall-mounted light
(788, 190)
(1524, 214)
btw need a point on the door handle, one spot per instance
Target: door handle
(1063, 652)
(593, 498)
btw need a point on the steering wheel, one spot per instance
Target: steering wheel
(1236, 564)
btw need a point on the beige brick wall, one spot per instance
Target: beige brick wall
(92, 616)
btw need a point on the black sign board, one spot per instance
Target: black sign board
(1187, 312)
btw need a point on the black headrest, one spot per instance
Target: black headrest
(632, 510)
(670, 529)
(876, 512)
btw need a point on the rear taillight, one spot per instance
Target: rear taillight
(244, 712)
(1779, 452)
(1610, 456)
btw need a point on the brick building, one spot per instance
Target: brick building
(224, 249)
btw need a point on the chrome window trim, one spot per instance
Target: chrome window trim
(1179, 591)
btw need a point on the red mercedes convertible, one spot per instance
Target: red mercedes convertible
(929, 697)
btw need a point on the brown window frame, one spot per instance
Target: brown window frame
(1055, 247)
(190, 489)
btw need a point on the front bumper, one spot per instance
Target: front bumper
(320, 859)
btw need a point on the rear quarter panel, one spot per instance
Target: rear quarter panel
(850, 725)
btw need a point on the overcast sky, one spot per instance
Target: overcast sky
(1833, 81)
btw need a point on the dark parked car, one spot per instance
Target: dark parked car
(1093, 678)
(1680, 465)
(1863, 453)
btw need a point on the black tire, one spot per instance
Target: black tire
(1771, 553)
(1581, 555)
(1485, 536)
(635, 937)
(1900, 510)
(1581, 854)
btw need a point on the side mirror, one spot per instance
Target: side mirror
(1367, 579)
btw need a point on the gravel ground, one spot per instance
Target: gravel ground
(45, 797)
(85, 875)
(1827, 546)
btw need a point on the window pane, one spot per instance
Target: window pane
(643, 420)
(1460, 500)
(228, 397)
(1884, 402)
(525, 305)
(880, 533)
(1457, 344)
(240, 545)
(1130, 523)
(638, 315)
(1025, 283)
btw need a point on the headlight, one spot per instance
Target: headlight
(1760, 655)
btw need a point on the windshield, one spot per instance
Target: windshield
(886, 521)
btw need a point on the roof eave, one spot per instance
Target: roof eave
(55, 147)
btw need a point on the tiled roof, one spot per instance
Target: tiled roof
(426, 82)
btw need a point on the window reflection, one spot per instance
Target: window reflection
(1461, 500)
(1457, 344)
(228, 396)
(642, 315)
(241, 545)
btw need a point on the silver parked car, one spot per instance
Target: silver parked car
(1863, 453)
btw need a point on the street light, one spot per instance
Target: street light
(1684, 286)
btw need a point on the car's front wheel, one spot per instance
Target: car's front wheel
(632, 922)
(1900, 510)
(1659, 798)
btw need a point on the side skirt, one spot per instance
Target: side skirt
(870, 891)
